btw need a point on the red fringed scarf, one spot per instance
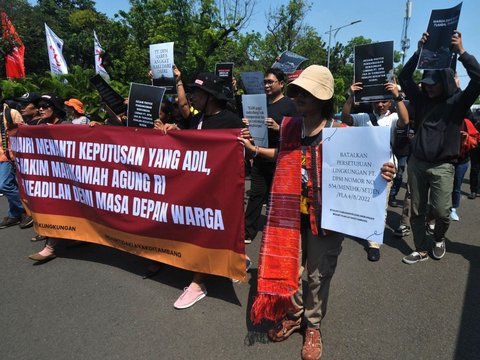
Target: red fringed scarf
(280, 249)
(279, 253)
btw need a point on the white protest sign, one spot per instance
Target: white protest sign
(161, 60)
(255, 110)
(354, 194)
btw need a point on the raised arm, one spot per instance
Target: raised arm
(403, 118)
(347, 107)
(409, 87)
(471, 92)
(182, 96)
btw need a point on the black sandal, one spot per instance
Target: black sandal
(39, 238)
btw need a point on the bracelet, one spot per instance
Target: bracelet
(179, 84)
(256, 151)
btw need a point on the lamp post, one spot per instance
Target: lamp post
(336, 30)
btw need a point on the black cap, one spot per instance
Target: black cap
(431, 77)
(55, 100)
(29, 97)
(212, 84)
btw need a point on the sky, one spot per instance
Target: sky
(382, 20)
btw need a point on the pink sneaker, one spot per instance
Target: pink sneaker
(190, 296)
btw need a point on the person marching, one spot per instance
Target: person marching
(293, 240)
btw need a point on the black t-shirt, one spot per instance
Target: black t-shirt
(225, 119)
(277, 110)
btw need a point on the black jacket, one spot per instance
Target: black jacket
(439, 121)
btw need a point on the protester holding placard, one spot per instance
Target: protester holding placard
(381, 116)
(278, 106)
(293, 239)
(440, 109)
(210, 98)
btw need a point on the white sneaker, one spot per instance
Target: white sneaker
(454, 215)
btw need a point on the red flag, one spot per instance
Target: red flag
(14, 59)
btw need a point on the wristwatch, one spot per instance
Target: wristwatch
(399, 97)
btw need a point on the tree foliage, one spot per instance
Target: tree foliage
(204, 32)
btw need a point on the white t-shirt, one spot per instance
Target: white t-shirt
(388, 119)
(82, 120)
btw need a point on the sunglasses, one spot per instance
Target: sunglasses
(44, 105)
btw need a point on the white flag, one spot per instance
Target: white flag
(97, 50)
(58, 65)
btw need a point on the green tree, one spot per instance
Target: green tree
(202, 30)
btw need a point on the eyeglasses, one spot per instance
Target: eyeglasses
(44, 105)
(269, 82)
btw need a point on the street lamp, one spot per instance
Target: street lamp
(329, 32)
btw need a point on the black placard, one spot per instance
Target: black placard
(288, 62)
(436, 52)
(373, 68)
(114, 100)
(225, 71)
(144, 103)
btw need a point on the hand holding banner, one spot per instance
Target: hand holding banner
(138, 190)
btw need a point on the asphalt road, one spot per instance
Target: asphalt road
(91, 303)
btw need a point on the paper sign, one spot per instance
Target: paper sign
(354, 195)
(161, 63)
(255, 110)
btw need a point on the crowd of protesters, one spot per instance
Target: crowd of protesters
(431, 129)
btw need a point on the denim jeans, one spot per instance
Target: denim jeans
(9, 188)
(460, 170)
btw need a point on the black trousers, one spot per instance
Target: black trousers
(262, 177)
(474, 170)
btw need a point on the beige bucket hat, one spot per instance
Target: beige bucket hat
(315, 79)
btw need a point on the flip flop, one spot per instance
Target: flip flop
(39, 238)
